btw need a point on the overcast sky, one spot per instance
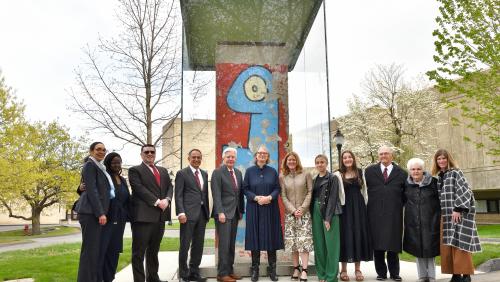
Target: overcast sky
(42, 44)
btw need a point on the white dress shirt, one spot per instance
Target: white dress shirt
(389, 169)
(200, 177)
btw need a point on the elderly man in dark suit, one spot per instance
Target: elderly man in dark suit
(229, 206)
(151, 196)
(385, 182)
(191, 205)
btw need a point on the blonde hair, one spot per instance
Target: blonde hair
(284, 168)
(322, 157)
(451, 162)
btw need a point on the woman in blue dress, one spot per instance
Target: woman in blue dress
(118, 215)
(263, 226)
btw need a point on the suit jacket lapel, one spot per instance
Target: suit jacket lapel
(225, 172)
(205, 181)
(395, 171)
(378, 171)
(150, 175)
(193, 178)
(99, 171)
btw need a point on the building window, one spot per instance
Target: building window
(481, 206)
(492, 206)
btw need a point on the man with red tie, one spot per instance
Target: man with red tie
(385, 182)
(229, 207)
(191, 205)
(151, 196)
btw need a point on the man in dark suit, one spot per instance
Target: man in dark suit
(229, 206)
(385, 183)
(151, 196)
(191, 204)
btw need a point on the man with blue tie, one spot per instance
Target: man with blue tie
(229, 207)
(191, 205)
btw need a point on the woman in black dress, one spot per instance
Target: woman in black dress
(355, 243)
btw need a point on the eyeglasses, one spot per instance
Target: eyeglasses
(149, 152)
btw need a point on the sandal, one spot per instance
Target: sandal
(302, 279)
(344, 276)
(295, 277)
(359, 275)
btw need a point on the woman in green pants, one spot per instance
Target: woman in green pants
(326, 207)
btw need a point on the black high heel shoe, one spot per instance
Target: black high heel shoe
(295, 277)
(301, 279)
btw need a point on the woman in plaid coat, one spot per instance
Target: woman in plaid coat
(458, 225)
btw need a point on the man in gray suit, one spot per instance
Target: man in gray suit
(228, 209)
(191, 205)
(151, 194)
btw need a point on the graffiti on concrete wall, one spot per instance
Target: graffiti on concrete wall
(250, 113)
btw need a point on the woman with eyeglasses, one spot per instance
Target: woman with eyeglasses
(92, 208)
(263, 225)
(118, 215)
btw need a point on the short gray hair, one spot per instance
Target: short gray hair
(415, 161)
(385, 147)
(229, 149)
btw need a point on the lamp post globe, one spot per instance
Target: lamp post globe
(339, 141)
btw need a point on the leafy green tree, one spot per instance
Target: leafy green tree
(39, 162)
(468, 56)
(11, 111)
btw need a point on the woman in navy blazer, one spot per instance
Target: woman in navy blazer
(118, 215)
(92, 208)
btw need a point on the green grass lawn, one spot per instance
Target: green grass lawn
(490, 251)
(176, 225)
(489, 231)
(18, 236)
(60, 262)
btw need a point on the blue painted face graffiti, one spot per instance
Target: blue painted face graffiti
(252, 92)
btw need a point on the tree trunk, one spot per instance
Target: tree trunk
(35, 222)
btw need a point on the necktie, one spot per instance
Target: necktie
(196, 173)
(156, 174)
(235, 186)
(385, 175)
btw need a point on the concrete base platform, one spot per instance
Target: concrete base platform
(243, 269)
(169, 263)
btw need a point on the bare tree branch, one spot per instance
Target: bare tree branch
(130, 85)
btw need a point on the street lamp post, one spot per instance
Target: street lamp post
(339, 141)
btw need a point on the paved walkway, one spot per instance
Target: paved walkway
(77, 237)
